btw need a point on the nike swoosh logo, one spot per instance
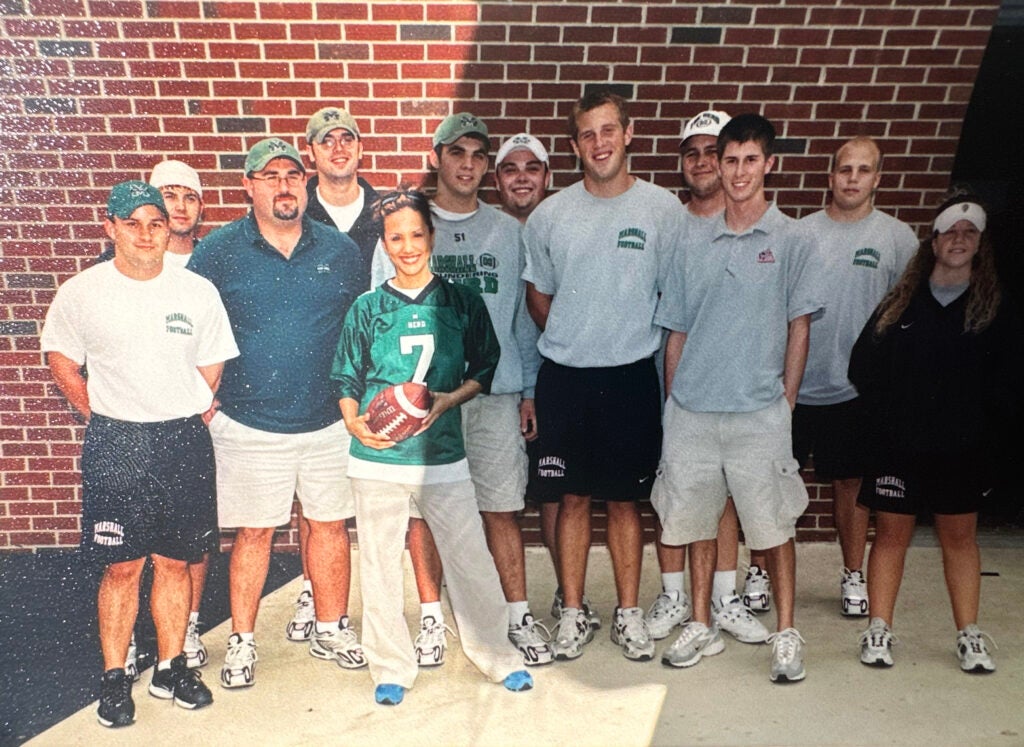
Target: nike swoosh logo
(908, 325)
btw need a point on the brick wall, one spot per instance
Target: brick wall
(96, 91)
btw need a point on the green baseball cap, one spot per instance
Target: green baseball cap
(459, 125)
(267, 150)
(126, 197)
(327, 119)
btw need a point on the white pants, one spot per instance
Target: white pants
(450, 510)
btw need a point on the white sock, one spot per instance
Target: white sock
(247, 636)
(432, 609)
(327, 627)
(674, 582)
(724, 585)
(307, 585)
(516, 610)
(162, 665)
(193, 617)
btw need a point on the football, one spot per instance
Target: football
(398, 411)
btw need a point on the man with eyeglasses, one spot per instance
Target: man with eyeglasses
(337, 196)
(287, 282)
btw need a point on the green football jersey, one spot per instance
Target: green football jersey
(442, 338)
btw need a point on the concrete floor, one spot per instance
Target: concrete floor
(603, 699)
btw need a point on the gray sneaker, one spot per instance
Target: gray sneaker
(876, 644)
(340, 646)
(571, 633)
(593, 618)
(696, 641)
(787, 656)
(853, 591)
(666, 613)
(532, 639)
(736, 619)
(630, 632)
(972, 651)
(757, 590)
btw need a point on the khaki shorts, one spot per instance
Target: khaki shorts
(496, 451)
(259, 473)
(710, 455)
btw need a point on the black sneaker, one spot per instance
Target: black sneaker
(182, 684)
(116, 705)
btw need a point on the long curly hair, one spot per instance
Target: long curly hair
(984, 294)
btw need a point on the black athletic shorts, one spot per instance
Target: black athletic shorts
(148, 488)
(929, 484)
(835, 435)
(599, 431)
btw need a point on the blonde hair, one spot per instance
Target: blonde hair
(983, 293)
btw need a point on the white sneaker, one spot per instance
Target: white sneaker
(300, 627)
(630, 632)
(239, 668)
(666, 612)
(194, 648)
(695, 642)
(876, 644)
(571, 633)
(340, 646)
(972, 651)
(736, 619)
(593, 618)
(131, 661)
(757, 590)
(531, 638)
(431, 644)
(787, 656)
(853, 590)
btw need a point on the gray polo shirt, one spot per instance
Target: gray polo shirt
(861, 262)
(604, 261)
(734, 295)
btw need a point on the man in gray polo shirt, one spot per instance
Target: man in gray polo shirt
(864, 252)
(738, 304)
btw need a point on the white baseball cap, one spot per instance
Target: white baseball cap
(522, 141)
(175, 174)
(705, 123)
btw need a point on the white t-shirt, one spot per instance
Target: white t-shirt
(141, 340)
(178, 260)
(343, 215)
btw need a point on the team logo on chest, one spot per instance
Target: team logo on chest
(632, 238)
(766, 257)
(866, 257)
(178, 324)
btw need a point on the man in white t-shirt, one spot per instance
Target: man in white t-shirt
(338, 197)
(154, 338)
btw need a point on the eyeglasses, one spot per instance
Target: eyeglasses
(292, 178)
(346, 140)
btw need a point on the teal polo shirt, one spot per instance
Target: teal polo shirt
(286, 314)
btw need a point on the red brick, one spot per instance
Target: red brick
(467, 12)
(772, 17)
(561, 14)
(286, 11)
(716, 55)
(234, 51)
(835, 17)
(604, 14)
(342, 11)
(370, 32)
(803, 37)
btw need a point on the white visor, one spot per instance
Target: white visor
(969, 211)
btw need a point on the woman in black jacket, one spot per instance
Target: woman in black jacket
(936, 365)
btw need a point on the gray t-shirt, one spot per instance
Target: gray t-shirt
(603, 261)
(483, 251)
(861, 262)
(734, 295)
